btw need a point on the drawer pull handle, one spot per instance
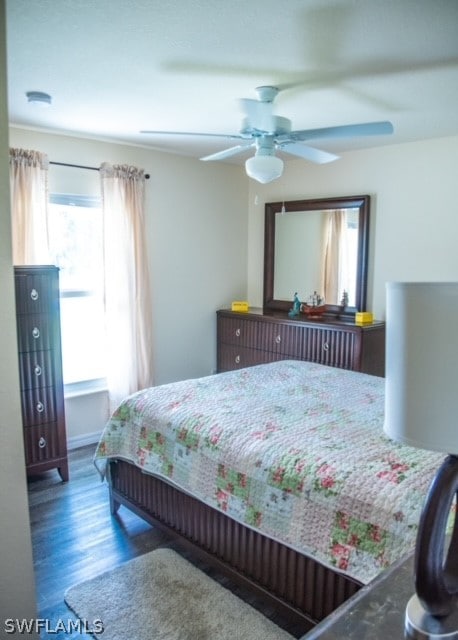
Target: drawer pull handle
(237, 333)
(237, 359)
(42, 443)
(37, 370)
(325, 346)
(34, 294)
(36, 333)
(278, 339)
(40, 407)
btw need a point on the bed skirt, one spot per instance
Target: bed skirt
(294, 583)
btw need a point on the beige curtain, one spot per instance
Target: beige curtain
(29, 203)
(127, 283)
(334, 255)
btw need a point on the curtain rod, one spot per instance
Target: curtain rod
(82, 166)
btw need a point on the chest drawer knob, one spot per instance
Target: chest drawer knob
(325, 346)
(237, 359)
(237, 333)
(34, 294)
(37, 370)
(40, 407)
(278, 339)
(42, 443)
(36, 333)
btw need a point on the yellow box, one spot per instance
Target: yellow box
(364, 317)
(240, 305)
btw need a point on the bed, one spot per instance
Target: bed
(281, 472)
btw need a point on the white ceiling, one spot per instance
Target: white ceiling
(115, 67)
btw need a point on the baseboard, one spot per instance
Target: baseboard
(75, 442)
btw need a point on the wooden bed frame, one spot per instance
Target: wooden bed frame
(296, 585)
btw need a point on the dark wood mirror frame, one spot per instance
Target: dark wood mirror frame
(348, 202)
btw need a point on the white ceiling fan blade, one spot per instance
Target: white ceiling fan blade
(308, 153)
(231, 136)
(259, 114)
(227, 153)
(343, 131)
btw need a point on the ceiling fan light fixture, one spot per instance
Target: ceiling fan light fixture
(264, 168)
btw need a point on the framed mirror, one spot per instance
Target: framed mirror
(317, 246)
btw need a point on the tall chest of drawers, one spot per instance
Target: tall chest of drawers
(246, 339)
(40, 369)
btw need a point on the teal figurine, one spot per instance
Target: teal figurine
(295, 311)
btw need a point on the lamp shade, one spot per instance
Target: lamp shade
(421, 388)
(264, 168)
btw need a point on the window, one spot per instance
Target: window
(76, 244)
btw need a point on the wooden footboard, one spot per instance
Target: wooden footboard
(297, 584)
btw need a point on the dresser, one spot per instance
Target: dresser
(40, 369)
(257, 337)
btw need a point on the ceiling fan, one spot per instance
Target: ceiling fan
(266, 132)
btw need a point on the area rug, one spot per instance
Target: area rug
(161, 596)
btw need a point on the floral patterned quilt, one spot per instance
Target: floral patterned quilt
(291, 448)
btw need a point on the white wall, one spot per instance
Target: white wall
(414, 210)
(17, 591)
(197, 241)
(85, 417)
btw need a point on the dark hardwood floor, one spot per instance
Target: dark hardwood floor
(75, 538)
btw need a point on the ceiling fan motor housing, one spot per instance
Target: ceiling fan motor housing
(280, 126)
(267, 93)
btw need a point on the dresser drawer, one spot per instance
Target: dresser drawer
(35, 369)
(34, 293)
(41, 443)
(38, 406)
(282, 339)
(335, 348)
(34, 332)
(231, 357)
(238, 331)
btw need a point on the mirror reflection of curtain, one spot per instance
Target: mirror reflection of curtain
(335, 256)
(127, 288)
(29, 206)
